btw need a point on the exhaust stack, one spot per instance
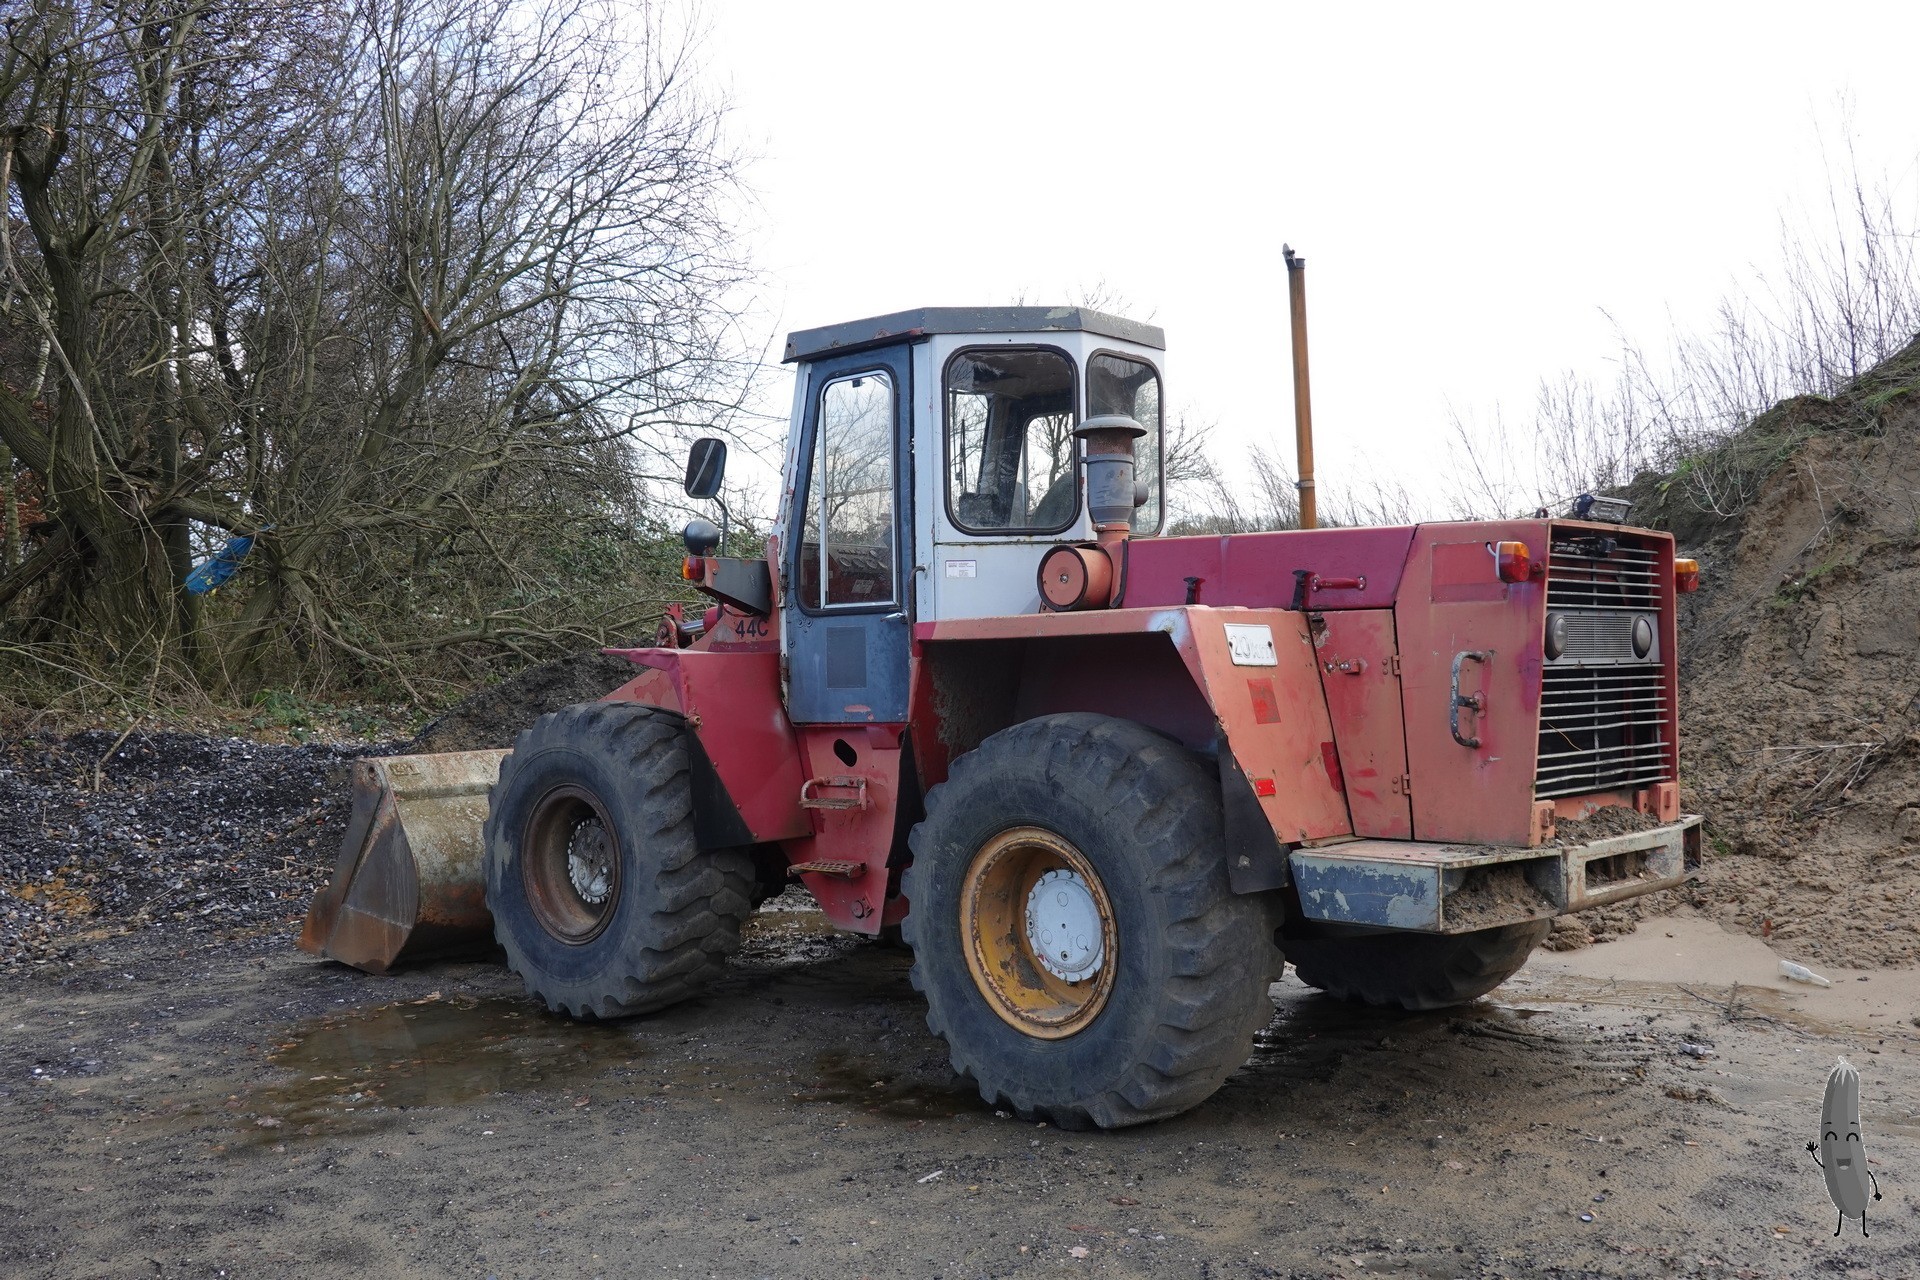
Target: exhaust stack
(1302, 398)
(1078, 576)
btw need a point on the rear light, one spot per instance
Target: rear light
(1686, 576)
(1514, 561)
(692, 570)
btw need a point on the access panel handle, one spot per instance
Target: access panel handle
(1477, 701)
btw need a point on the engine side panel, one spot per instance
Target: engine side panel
(1452, 603)
(1359, 661)
(1257, 569)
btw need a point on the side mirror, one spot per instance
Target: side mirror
(706, 467)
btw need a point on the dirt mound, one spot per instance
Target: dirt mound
(495, 715)
(212, 835)
(1800, 681)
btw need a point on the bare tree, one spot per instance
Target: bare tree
(399, 290)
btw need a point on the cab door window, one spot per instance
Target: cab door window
(846, 553)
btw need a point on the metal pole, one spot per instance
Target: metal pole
(1302, 399)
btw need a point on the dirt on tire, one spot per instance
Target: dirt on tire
(1191, 960)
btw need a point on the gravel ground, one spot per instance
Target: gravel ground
(238, 1108)
(183, 1093)
(210, 836)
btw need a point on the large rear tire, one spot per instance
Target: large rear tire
(605, 903)
(1415, 970)
(1073, 931)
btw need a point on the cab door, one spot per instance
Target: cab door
(849, 550)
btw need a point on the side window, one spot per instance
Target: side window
(849, 497)
(1010, 446)
(1116, 384)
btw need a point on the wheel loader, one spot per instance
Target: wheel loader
(1101, 779)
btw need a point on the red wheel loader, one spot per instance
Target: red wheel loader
(1102, 779)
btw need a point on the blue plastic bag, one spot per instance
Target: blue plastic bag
(209, 574)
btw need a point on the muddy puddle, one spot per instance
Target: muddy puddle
(360, 1069)
(1734, 1002)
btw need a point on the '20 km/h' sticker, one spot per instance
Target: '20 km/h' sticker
(1251, 645)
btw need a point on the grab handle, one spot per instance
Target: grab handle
(1477, 701)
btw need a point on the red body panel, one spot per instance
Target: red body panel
(1273, 716)
(1358, 656)
(755, 754)
(1452, 602)
(1255, 570)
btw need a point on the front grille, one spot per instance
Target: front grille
(1603, 713)
(1623, 579)
(1601, 729)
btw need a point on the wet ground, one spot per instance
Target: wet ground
(175, 1109)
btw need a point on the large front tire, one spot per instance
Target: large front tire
(603, 900)
(1415, 971)
(1073, 930)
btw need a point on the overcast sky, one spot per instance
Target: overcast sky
(1476, 188)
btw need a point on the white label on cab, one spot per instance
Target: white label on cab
(1251, 646)
(961, 568)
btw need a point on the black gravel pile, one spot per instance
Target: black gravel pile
(206, 835)
(494, 716)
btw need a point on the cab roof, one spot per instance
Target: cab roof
(923, 322)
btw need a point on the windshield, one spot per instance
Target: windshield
(1010, 447)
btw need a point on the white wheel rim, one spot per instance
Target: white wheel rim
(1063, 926)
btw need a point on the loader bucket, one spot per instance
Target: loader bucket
(410, 881)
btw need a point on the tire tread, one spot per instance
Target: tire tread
(699, 897)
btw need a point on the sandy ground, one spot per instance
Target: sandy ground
(1637, 1108)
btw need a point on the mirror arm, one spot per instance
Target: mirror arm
(726, 521)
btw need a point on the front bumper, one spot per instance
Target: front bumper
(1453, 888)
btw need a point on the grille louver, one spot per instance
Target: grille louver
(1602, 727)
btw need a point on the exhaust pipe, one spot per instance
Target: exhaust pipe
(1302, 398)
(1078, 576)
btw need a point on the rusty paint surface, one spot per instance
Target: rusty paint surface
(1354, 653)
(1448, 888)
(1452, 601)
(1305, 804)
(409, 881)
(862, 835)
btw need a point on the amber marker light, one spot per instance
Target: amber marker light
(1514, 561)
(1686, 576)
(692, 570)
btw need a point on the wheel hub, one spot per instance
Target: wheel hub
(570, 864)
(1063, 926)
(1041, 940)
(590, 862)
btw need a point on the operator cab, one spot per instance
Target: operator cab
(932, 464)
(986, 400)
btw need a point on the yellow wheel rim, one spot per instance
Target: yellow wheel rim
(1038, 931)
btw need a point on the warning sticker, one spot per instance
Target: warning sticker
(961, 568)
